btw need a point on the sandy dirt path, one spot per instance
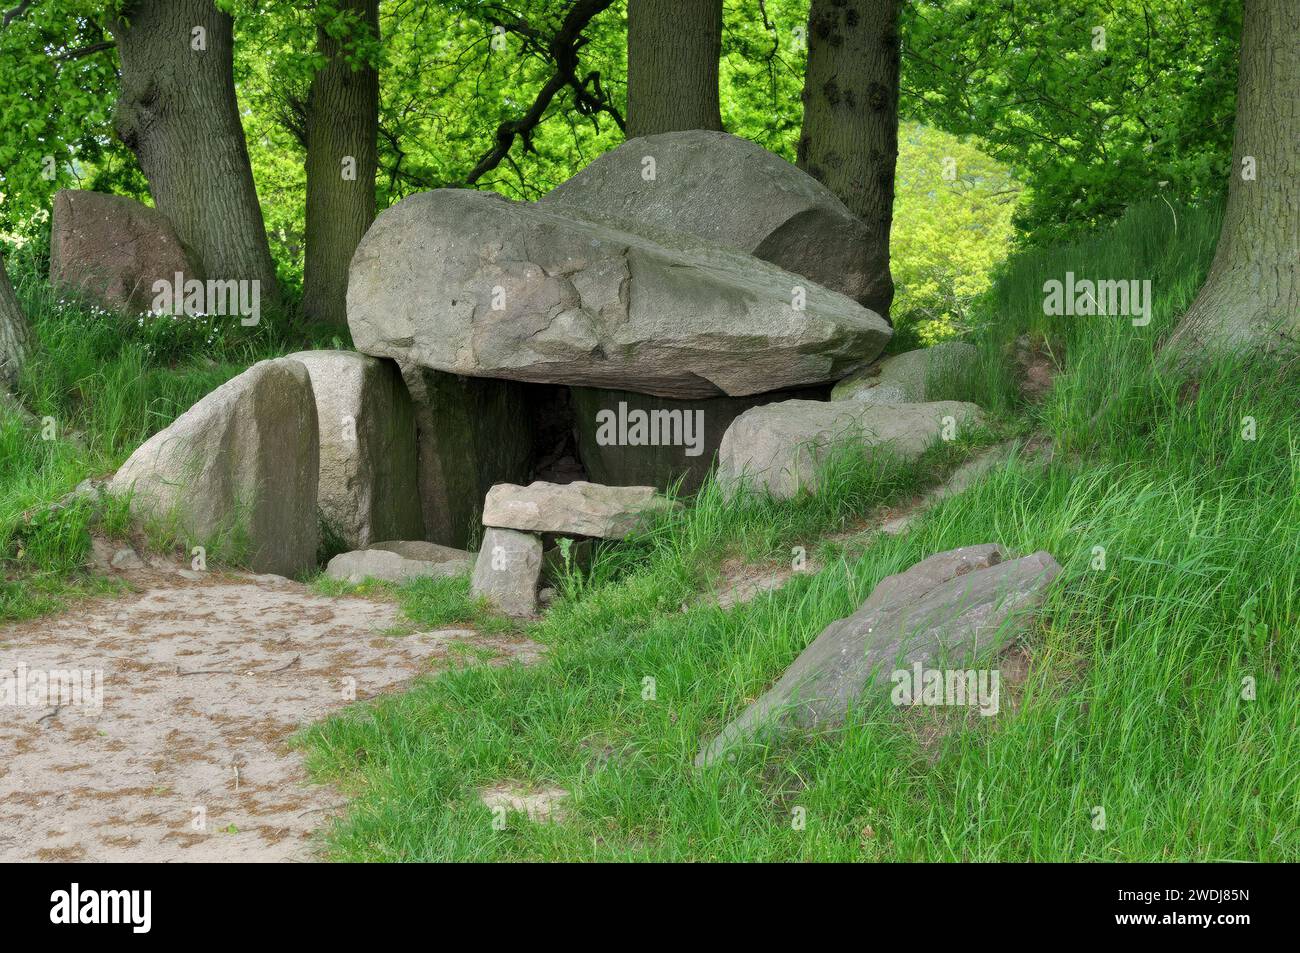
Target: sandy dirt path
(204, 681)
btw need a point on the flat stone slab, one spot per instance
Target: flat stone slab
(951, 609)
(578, 509)
(778, 448)
(398, 562)
(508, 570)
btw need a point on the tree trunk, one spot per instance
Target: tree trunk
(1251, 299)
(15, 335)
(673, 48)
(342, 155)
(850, 120)
(176, 111)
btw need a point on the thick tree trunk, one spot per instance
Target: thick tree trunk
(176, 111)
(850, 120)
(15, 335)
(342, 155)
(1251, 299)
(673, 47)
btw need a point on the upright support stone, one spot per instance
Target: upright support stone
(780, 448)
(914, 376)
(368, 490)
(507, 572)
(239, 469)
(473, 432)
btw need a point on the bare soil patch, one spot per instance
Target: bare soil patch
(204, 682)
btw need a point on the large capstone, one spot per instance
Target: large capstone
(113, 250)
(238, 470)
(469, 283)
(368, 486)
(732, 193)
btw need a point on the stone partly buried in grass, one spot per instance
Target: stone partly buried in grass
(949, 610)
(778, 448)
(397, 561)
(572, 509)
(911, 376)
(240, 467)
(113, 250)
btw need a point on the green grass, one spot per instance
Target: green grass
(427, 602)
(1132, 702)
(101, 385)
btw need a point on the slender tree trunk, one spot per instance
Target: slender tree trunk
(850, 120)
(176, 111)
(342, 155)
(673, 48)
(1251, 299)
(15, 335)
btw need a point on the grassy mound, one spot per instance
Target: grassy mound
(1152, 713)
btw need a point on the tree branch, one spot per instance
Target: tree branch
(88, 50)
(16, 12)
(562, 49)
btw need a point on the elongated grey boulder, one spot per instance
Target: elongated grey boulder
(779, 448)
(579, 508)
(912, 376)
(238, 469)
(469, 283)
(368, 489)
(424, 551)
(733, 193)
(398, 561)
(507, 572)
(949, 610)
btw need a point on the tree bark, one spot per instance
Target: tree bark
(15, 334)
(1251, 299)
(673, 48)
(849, 140)
(342, 157)
(177, 112)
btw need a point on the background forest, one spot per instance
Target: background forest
(1021, 124)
